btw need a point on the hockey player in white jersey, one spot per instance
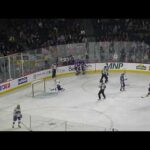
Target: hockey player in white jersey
(59, 86)
(17, 116)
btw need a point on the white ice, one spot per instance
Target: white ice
(77, 108)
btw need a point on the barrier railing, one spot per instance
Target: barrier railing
(21, 64)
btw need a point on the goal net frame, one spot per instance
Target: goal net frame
(33, 84)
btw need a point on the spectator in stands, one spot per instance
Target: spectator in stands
(56, 61)
(102, 54)
(122, 55)
(24, 34)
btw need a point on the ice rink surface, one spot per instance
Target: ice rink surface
(78, 109)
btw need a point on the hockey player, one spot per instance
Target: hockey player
(55, 85)
(54, 70)
(104, 74)
(17, 116)
(83, 65)
(77, 68)
(147, 93)
(122, 81)
(58, 86)
(102, 87)
(148, 90)
(107, 69)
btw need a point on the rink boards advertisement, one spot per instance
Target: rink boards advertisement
(91, 67)
(4, 86)
(71, 68)
(131, 67)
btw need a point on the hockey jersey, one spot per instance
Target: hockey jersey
(17, 112)
(149, 89)
(102, 86)
(104, 71)
(122, 78)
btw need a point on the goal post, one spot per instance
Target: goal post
(38, 86)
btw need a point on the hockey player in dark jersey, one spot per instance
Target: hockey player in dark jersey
(148, 90)
(17, 116)
(83, 65)
(77, 67)
(104, 74)
(122, 81)
(102, 87)
(107, 69)
(54, 70)
(147, 93)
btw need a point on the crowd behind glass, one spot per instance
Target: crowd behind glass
(23, 40)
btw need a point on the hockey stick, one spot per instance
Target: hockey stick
(54, 89)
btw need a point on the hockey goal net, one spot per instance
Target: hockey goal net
(38, 87)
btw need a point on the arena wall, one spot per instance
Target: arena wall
(69, 71)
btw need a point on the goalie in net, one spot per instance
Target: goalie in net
(42, 87)
(58, 86)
